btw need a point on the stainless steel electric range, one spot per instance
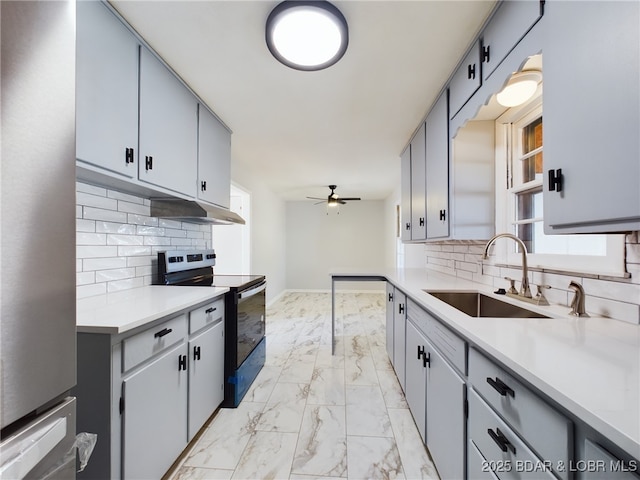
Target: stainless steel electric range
(245, 345)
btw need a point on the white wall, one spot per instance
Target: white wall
(268, 224)
(317, 242)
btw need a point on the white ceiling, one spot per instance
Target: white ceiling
(301, 131)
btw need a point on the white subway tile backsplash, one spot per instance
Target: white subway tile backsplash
(89, 200)
(87, 238)
(110, 227)
(91, 213)
(93, 264)
(117, 244)
(117, 239)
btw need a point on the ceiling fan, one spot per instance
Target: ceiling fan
(334, 199)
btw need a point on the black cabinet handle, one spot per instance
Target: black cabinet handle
(182, 362)
(501, 387)
(203, 186)
(443, 215)
(555, 180)
(420, 351)
(501, 440)
(486, 54)
(210, 310)
(391, 297)
(400, 308)
(471, 71)
(422, 221)
(426, 360)
(148, 163)
(163, 332)
(408, 226)
(196, 353)
(128, 155)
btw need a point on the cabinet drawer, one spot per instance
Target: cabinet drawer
(452, 347)
(548, 432)
(418, 316)
(144, 345)
(504, 452)
(207, 315)
(477, 465)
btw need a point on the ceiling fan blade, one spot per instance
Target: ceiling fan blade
(318, 203)
(350, 198)
(316, 198)
(341, 201)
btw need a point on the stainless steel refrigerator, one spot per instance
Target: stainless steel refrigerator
(37, 239)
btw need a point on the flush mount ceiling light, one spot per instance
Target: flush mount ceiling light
(519, 89)
(307, 35)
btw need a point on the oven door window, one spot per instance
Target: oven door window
(251, 323)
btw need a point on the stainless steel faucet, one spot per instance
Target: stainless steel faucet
(577, 304)
(525, 291)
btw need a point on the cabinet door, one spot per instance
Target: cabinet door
(206, 376)
(465, 81)
(168, 128)
(214, 159)
(399, 325)
(416, 378)
(418, 186)
(154, 420)
(389, 320)
(437, 168)
(511, 22)
(106, 90)
(445, 416)
(592, 116)
(405, 194)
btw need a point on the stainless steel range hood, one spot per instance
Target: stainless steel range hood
(193, 212)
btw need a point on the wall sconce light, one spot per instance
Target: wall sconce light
(307, 35)
(519, 89)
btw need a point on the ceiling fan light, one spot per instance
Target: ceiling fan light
(307, 35)
(520, 88)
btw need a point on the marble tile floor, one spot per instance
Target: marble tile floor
(310, 415)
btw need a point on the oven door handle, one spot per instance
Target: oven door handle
(253, 291)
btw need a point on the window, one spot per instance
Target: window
(520, 166)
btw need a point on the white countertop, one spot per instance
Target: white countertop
(589, 366)
(118, 312)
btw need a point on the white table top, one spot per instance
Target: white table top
(118, 312)
(590, 366)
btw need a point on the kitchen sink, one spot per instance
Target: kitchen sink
(476, 304)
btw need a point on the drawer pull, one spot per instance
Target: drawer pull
(426, 359)
(501, 387)
(210, 310)
(501, 440)
(163, 332)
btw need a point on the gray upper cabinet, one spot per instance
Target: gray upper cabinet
(418, 185)
(591, 117)
(168, 128)
(106, 91)
(437, 169)
(466, 80)
(511, 21)
(405, 200)
(214, 159)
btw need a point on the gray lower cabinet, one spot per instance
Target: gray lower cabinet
(416, 377)
(154, 415)
(511, 423)
(445, 417)
(389, 320)
(399, 336)
(206, 378)
(598, 462)
(147, 392)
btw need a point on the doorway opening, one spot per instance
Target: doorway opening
(233, 242)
